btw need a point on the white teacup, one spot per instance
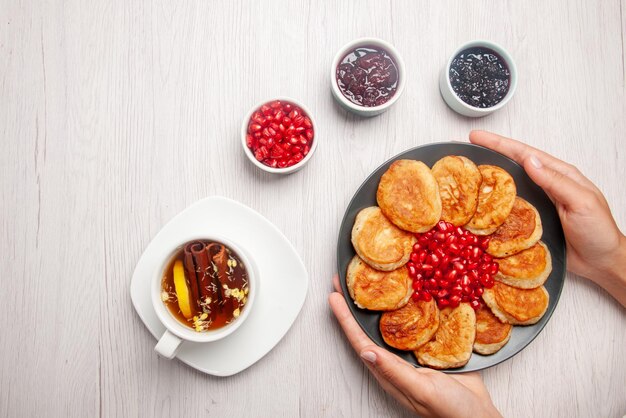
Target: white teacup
(175, 332)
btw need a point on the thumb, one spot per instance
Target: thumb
(560, 187)
(393, 369)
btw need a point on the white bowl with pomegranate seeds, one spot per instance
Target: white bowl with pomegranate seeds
(279, 136)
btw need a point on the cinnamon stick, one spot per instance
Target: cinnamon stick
(190, 269)
(209, 294)
(220, 259)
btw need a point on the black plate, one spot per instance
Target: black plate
(521, 336)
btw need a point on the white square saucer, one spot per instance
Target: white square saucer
(283, 284)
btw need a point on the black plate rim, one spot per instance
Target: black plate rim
(349, 302)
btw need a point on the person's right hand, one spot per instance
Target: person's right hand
(596, 248)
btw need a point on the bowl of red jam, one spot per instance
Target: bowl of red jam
(367, 76)
(279, 136)
(479, 78)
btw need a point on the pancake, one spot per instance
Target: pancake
(496, 196)
(527, 269)
(517, 306)
(452, 346)
(378, 290)
(409, 196)
(411, 326)
(380, 243)
(491, 333)
(521, 230)
(458, 179)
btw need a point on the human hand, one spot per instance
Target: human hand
(427, 392)
(596, 248)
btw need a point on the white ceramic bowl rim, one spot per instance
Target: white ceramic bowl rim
(364, 42)
(286, 170)
(505, 56)
(171, 323)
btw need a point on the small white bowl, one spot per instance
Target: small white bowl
(285, 170)
(176, 333)
(458, 105)
(343, 100)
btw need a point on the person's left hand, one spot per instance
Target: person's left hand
(427, 392)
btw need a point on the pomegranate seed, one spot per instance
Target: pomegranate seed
(307, 122)
(272, 163)
(423, 240)
(417, 285)
(416, 247)
(415, 297)
(487, 258)
(442, 293)
(454, 249)
(443, 303)
(306, 150)
(434, 259)
(255, 127)
(444, 284)
(266, 110)
(456, 290)
(476, 253)
(458, 266)
(309, 134)
(475, 304)
(465, 281)
(426, 296)
(493, 268)
(419, 276)
(465, 298)
(452, 239)
(415, 258)
(412, 272)
(432, 284)
(479, 291)
(459, 231)
(440, 236)
(298, 157)
(433, 245)
(485, 279)
(440, 253)
(442, 226)
(467, 290)
(451, 275)
(437, 274)
(422, 256)
(484, 244)
(455, 301)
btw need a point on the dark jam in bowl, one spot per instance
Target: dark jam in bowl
(368, 76)
(479, 77)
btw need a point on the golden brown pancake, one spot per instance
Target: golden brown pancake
(521, 230)
(458, 179)
(491, 333)
(517, 306)
(380, 243)
(409, 196)
(378, 290)
(527, 269)
(410, 326)
(452, 346)
(495, 200)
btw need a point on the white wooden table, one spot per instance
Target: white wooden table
(116, 115)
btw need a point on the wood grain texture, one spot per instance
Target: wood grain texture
(116, 115)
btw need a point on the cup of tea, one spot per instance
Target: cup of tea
(202, 291)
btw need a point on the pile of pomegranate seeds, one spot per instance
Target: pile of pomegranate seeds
(280, 134)
(449, 264)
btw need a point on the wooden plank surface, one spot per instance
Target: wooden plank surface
(116, 115)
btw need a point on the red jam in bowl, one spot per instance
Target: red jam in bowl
(280, 134)
(368, 76)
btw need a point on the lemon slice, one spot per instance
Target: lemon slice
(182, 291)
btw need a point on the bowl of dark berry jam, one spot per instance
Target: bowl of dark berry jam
(279, 136)
(479, 78)
(367, 76)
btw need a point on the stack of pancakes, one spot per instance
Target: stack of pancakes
(483, 199)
